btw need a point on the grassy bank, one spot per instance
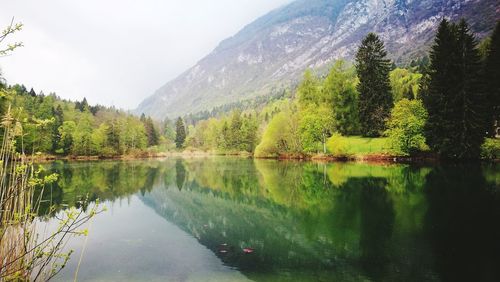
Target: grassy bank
(355, 146)
(340, 148)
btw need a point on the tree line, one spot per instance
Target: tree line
(48, 124)
(447, 102)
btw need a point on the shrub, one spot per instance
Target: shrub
(490, 149)
(406, 127)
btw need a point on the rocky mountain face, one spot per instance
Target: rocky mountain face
(271, 53)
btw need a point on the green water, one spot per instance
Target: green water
(190, 219)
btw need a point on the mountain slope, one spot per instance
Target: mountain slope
(272, 52)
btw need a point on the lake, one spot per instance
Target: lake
(234, 219)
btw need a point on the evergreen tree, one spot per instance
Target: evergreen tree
(454, 100)
(32, 93)
(180, 133)
(375, 98)
(492, 76)
(83, 105)
(151, 132)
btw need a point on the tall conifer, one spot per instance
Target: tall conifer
(492, 77)
(375, 98)
(455, 101)
(180, 131)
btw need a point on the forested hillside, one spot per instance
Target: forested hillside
(445, 104)
(271, 54)
(50, 125)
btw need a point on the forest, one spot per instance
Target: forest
(446, 103)
(49, 125)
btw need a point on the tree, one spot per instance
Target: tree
(99, 140)
(308, 90)
(492, 75)
(82, 136)
(151, 132)
(340, 93)
(281, 135)
(248, 133)
(168, 129)
(133, 134)
(233, 136)
(457, 106)
(406, 126)
(113, 136)
(404, 84)
(375, 99)
(180, 133)
(58, 122)
(316, 126)
(66, 131)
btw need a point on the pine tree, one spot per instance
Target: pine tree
(375, 98)
(32, 93)
(492, 77)
(454, 98)
(151, 132)
(180, 131)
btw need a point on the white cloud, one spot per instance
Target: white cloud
(117, 52)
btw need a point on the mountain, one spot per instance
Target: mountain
(271, 53)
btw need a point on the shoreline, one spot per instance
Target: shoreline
(371, 158)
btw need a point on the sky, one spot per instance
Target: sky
(117, 52)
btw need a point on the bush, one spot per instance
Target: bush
(490, 149)
(280, 136)
(406, 127)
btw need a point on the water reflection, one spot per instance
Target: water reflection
(310, 221)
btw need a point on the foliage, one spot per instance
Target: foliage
(281, 135)
(180, 133)
(404, 84)
(406, 126)
(458, 108)
(151, 132)
(316, 125)
(234, 133)
(490, 150)
(9, 30)
(308, 91)
(491, 76)
(56, 126)
(26, 252)
(375, 99)
(340, 92)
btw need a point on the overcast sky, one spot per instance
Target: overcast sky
(117, 52)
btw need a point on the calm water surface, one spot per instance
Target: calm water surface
(190, 219)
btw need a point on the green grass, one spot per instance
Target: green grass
(355, 145)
